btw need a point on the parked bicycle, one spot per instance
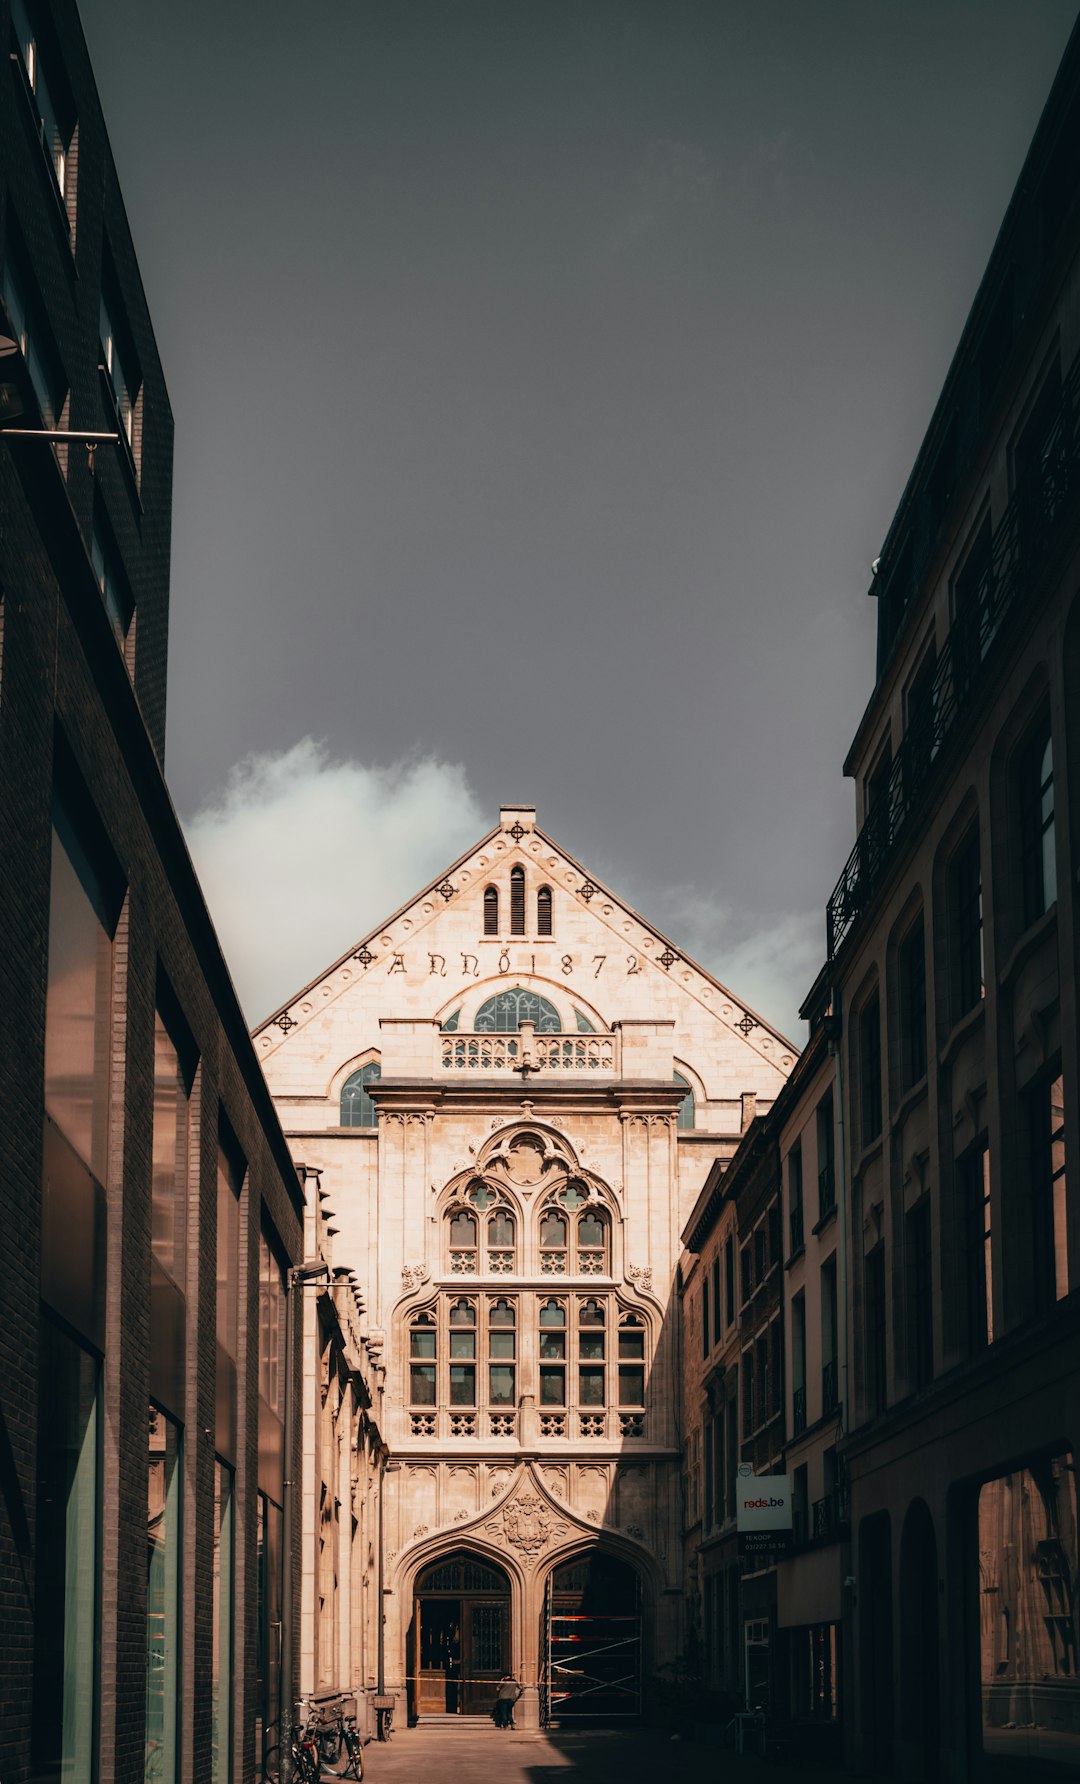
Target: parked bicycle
(303, 1751)
(341, 1746)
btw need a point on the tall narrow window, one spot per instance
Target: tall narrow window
(919, 1268)
(55, 122)
(491, 910)
(591, 1242)
(1038, 866)
(911, 975)
(717, 1321)
(706, 1325)
(32, 336)
(463, 1353)
(795, 1199)
(1046, 1120)
(870, 1071)
(162, 1599)
(463, 1258)
(517, 901)
(423, 1359)
(826, 1154)
(830, 1379)
(686, 1118)
(501, 1231)
(798, 1364)
(168, 1221)
(920, 731)
(357, 1106)
(502, 1351)
(66, 1550)
(591, 1354)
(553, 1249)
(966, 928)
(230, 1176)
(876, 1360)
(729, 1280)
(543, 911)
(552, 1354)
(111, 580)
(120, 366)
(222, 1657)
(973, 1191)
(631, 1361)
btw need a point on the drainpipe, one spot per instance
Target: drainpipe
(834, 1028)
(298, 1276)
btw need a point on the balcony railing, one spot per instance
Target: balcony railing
(829, 1515)
(1021, 543)
(798, 1410)
(830, 1397)
(558, 1053)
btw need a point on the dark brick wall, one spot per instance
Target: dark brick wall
(67, 696)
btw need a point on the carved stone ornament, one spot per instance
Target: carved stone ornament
(413, 1275)
(641, 1276)
(528, 1524)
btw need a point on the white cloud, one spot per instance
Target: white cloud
(300, 855)
(770, 965)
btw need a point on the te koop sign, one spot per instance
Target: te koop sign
(763, 1514)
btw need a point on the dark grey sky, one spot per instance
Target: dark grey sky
(545, 379)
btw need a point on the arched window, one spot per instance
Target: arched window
(502, 1353)
(552, 1353)
(507, 1010)
(592, 1243)
(553, 1250)
(491, 911)
(686, 1107)
(517, 901)
(543, 911)
(357, 1108)
(463, 1243)
(501, 1231)
(463, 1353)
(631, 1361)
(423, 1357)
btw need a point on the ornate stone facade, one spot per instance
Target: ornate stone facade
(513, 1092)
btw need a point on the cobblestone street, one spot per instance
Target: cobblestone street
(473, 1751)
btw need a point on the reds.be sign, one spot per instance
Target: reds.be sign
(763, 1515)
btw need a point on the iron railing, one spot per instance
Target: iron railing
(829, 1515)
(1020, 545)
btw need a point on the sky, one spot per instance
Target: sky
(546, 374)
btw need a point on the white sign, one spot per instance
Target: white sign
(763, 1502)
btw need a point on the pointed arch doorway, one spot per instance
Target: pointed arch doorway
(591, 1641)
(460, 1636)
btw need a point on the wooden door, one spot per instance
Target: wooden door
(438, 1649)
(484, 1658)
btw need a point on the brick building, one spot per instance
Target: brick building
(952, 994)
(150, 1208)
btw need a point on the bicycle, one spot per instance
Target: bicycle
(341, 1748)
(303, 1752)
(384, 1717)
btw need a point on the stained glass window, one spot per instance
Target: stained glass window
(507, 1010)
(357, 1108)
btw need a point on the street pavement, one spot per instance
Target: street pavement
(474, 1751)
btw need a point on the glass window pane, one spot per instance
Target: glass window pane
(462, 1344)
(552, 1313)
(502, 1314)
(170, 1120)
(631, 1386)
(631, 1344)
(501, 1344)
(62, 1725)
(552, 1387)
(553, 1231)
(591, 1387)
(422, 1384)
(553, 1345)
(462, 1384)
(78, 1000)
(591, 1314)
(501, 1384)
(221, 1686)
(591, 1344)
(501, 1230)
(591, 1231)
(463, 1313)
(162, 1598)
(422, 1344)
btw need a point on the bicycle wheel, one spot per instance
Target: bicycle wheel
(272, 1765)
(334, 1752)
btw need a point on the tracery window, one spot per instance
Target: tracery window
(507, 1010)
(357, 1108)
(574, 1235)
(491, 910)
(543, 911)
(552, 1353)
(423, 1357)
(502, 1352)
(486, 1221)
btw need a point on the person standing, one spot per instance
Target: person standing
(505, 1698)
